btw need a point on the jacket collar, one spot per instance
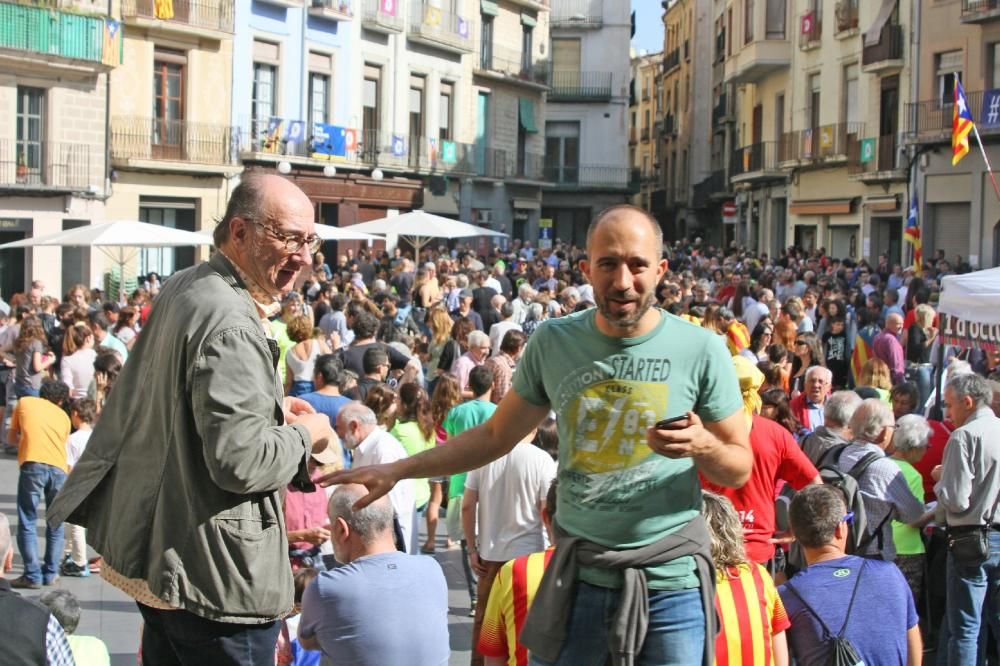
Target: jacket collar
(267, 306)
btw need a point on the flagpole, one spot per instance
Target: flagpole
(989, 168)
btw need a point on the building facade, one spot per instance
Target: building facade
(173, 149)
(54, 69)
(586, 151)
(958, 209)
(646, 127)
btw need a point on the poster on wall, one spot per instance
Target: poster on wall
(545, 233)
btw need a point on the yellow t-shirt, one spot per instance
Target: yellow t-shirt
(44, 429)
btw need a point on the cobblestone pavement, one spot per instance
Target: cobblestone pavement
(112, 616)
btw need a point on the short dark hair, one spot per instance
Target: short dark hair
(815, 513)
(480, 380)
(329, 367)
(513, 341)
(245, 202)
(365, 325)
(101, 320)
(907, 389)
(373, 358)
(64, 607)
(85, 408)
(54, 391)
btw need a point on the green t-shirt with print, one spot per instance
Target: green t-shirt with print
(907, 539)
(409, 435)
(613, 489)
(459, 419)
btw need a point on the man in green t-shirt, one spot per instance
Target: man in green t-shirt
(460, 418)
(611, 373)
(909, 443)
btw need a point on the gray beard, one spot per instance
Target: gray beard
(643, 306)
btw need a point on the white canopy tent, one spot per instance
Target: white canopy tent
(324, 231)
(420, 227)
(973, 296)
(119, 240)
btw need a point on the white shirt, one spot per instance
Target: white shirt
(498, 331)
(510, 490)
(379, 448)
(75, 446)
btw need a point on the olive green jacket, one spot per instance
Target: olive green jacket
(181, 481)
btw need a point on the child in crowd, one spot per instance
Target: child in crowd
(82, 414)
(752, 619)
(837, 351)
(289, 652)
(87, 650)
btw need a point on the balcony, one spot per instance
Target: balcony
(818, 145)
(810, 31)
(332, 10)
(930, 121)
(755, 163)
(633, 136)
(529, 167)
(577, 14)
(721, 113)
(576, 86)
(712, 188)
(47, 166)
(672, 61)
(846, 16)
(440, 29)
(38, 37)
(575, 178)
(875, 160)
(644, 135)
(509, 65)
(147, 143)
(760, 58)
(212, 19)
(376, 20)
(980, 11)
(537, 5)
(720, 46)
(669, 126)
(887, 54)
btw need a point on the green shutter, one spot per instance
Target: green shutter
(488, 7)
(528, 20)
(526, 108)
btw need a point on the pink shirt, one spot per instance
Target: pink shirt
(463, 366)
(304, 511)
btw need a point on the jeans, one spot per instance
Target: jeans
(676, 633)
(38, 480)
(176, 637)
(972, 597)
(301, 387)
(923, 376)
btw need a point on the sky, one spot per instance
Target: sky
(648, 25)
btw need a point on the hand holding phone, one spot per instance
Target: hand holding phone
(671, 423)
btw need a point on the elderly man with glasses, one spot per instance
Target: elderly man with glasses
(883, 486)
(180, 486)
(809, 406)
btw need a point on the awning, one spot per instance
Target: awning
(526, 114)
(527, 19)
(885, 203)
(822, 207)
(488, 7)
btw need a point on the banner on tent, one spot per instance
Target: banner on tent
(966, 333)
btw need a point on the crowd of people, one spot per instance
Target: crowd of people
(810, 447)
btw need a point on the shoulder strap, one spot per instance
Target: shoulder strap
(827, 634)
(854, 594)
(862, 465)
(874, 534)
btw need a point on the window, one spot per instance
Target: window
(729, 32)
(747, 21)
(444, 112)
(779, 116)
(814, 100)
(852, 110)
(775, 19)
(566, 56)
(319, 98)
(168, 102)
(562, 152)
(416, 117)
(993, 65)
(175, 214)
(948, 67)
(486, 43)
(370, 100)
(30, 133)
(264, 96)
(527, 47)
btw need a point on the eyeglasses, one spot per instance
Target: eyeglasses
(293, 242)
(849, 518)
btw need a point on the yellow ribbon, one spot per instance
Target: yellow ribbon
(750, 379)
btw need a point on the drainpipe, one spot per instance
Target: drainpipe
(107, 125)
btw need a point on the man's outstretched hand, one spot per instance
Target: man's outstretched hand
(378, 479)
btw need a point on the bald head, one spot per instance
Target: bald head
(625, 213)
(894, 323)
(369, 524)
(256, 198)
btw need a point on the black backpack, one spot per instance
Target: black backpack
(842, 652)
(858, 536)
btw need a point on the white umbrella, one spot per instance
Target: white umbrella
(120, 234)
(973, 296)
(420, 227)
(325, 231)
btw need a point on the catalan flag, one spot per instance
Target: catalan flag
(507, 608)
(862, 352)
(912, 236)
(737, 337)
(961, 125)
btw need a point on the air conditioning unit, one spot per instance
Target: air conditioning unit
(485, 218)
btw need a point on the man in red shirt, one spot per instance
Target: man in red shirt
(776, 457)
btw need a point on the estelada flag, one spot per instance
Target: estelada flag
(961, 125)
(737, 337)
(862, 350)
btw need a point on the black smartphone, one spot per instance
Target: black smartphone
(666, 423)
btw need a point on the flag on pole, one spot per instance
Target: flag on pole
(912, 236)
(961, 125)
